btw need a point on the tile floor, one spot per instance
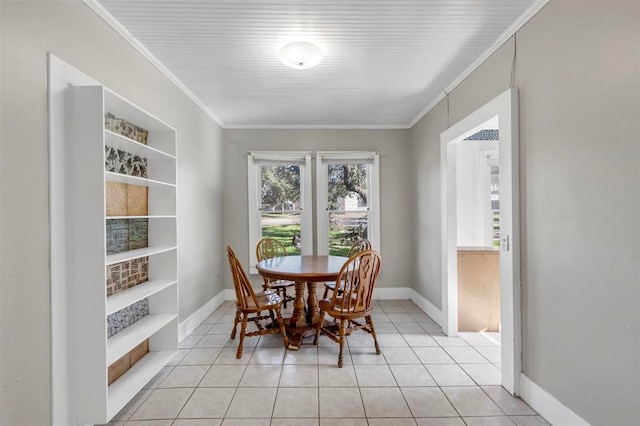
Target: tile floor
(421, 378)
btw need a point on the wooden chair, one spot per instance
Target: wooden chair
(249, 306)
(356, 279)
(266, 249)
(359, 246)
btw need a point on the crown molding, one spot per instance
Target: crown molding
(120, 29)
(513, 28)
(317, 127)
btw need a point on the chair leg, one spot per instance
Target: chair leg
(243, 330)
(235, 325)
(341, 341)
(284, 296)
(319, 326)
(373, 332)
(285, 340)
(326, 292)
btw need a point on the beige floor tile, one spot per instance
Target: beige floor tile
(402, 421)
(218, 341)
(440, 421)
(204, 356)
(446, 341)
(412, 375)
(343, 422)
(228, 356)
(397, 318)
(428, 402)
(488, 421)
(227, 318)
(374, 375)
(400, 356)
(341, 402)
(149, 423)
(261, 375)
(510, 405)
(433, 355)
(332, 376)
(365, 355)
(391, 340)
(222, 328)
(419, 339)
(252, 403)
(483, 374)
(384, 402)
(431, 327)
(409, 327)
(492, 353)
(466, 355)
(197, 422)
(479, 339)
(449, 375)
(394, 309)
(246, 422)
(268, 356)
(379, 317)
(296, 402)
(271, 341)
(420, 316)
(190, 341)
(158, 378)
(304, 355)
(184, 376)
(207, 403)
(471, 401)
(385, 328)
(213, 318)
(162, 404)
(295, 422)
(220, 376)
(330, 355)
(179, 356)
(202, 329)
(132, 405)
(360, 339)
(529, 421)
(299, 376)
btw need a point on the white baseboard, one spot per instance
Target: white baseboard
(427, 307)
(390, 293)
(187, 326)
(553, 411)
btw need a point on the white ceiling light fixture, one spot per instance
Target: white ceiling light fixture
(300, 55)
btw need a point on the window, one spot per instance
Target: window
(347, 200)
(280, 201)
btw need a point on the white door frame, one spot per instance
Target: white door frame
(505, 107)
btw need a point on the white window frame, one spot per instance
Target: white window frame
(373, 196)
(254, 161)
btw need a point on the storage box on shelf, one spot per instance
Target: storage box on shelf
(122, 249)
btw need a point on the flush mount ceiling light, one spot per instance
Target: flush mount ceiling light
(300, 55)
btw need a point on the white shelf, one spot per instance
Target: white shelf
(127, 339)
(122, 108)
(135, 180)
(123, 143)
(157, 216)
(134, 254)
(131, 295)
(129, 384)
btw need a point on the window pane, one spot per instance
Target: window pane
(284, 227)
(279, 187)
(345, 229)
(347, 186)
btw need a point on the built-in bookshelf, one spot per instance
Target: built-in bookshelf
(121, 249)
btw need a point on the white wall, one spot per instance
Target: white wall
(395, 233)
(577, 71)
(472, 192)
(70, 30)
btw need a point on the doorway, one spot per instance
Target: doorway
(503, 111)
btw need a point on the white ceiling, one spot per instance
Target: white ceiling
(386, 61)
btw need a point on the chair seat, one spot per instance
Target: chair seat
(280, 283)
(266, 300)
(333, 311)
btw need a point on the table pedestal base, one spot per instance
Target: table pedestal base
(302, 324)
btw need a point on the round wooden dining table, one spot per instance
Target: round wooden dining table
(304, 270)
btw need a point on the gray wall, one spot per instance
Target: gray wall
(73, 32)
(577, 71)
(395, 232)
